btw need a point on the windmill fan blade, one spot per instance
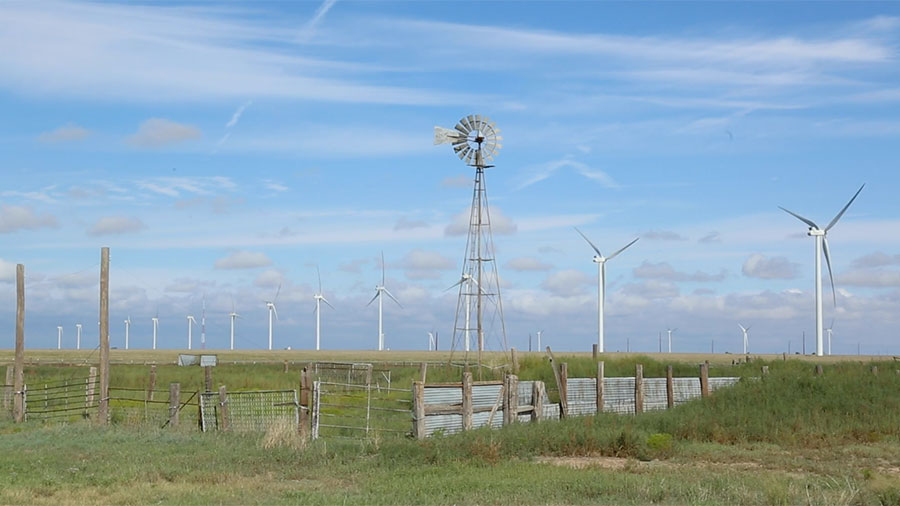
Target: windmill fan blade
(319, 275)
(465, 124)
(373, 298)
(327, 303)
(382, 268)
(454, 285)
(444, 135)
(461, 129)
(392, 297)
(623, 249)
(589, 242)
(836, 218)
(472, 125)
(801, 218)
(742, 327)
(828, 263)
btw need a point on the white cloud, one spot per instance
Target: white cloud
(404, 223)
(500, 223)
(460, 181)
(870, 278)
(421, 264)
(877, 259)
(309, 28)
(7, 271)
(664, 271)
(116, 225)
(66, 133)
(237, 114)
(15, 218)
(546, 170)
(651, 289)
(275, 186)
(160, 132)
(759, 266)
(712, 237)
(527, 264)
(269, 279)
(566, 283)
(175, 186)
(243, 260)
(663, 235)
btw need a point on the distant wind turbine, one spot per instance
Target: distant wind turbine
(600, 260)
(746, 333)
(469, 280)
(670, 331)
(270, 305)
(155, 320)
(830, 327)
(380, 292)
(822, 246)
(232, 315)
(58, 337)
(77, 336)
(320, 297)
(127, 329)
(191, 323)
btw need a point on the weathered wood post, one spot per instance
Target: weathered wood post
(174, 403)
(511, 410)
(784, 356)
(305, 386)
(19, 374)
(564, 390)
(638, 389)
(103, 406)
(285, 366)
(537, 401)
(423, 371)
(819, 370)
(89, 389)
(514, 357)
(207, 378)
(704, 379)
(600, 379)
(670, 387)
(595, 351)
(467, 400)
(418, 391)
(223, 406)
(152, 385)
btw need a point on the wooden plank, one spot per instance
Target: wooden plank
(418, 392)
(638, 389)
(423, 372)
(600, 379)
(304, 401)
(595, 351)
(514, 356)
(89, 389)
(537, 401)
(19, 374)
(467, 400)
(563, 390)
(765, 370)
(670, 388)
(819, 371)
(103, 405)
(223, 406)
(500, 396)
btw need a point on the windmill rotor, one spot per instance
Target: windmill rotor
(473, 134)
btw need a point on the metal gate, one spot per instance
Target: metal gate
(344, 410)
(250, 411)
(63, 399)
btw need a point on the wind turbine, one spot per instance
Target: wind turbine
(77, 336)
(380, 291)
(600, 260)
(233, 315)
(539, 332)
(670, 331)
(469, 280)
(746, 332)
(270, 305)
(127, 328)
(191, 323)
(822, 246)
(155, 320)
(59, 337)
(319, 299)
(829, 335)
(431, 342)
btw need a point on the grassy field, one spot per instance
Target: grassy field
(790, 438)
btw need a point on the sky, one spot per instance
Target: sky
(222, 150)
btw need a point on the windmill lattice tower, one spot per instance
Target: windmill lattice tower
(476, 140)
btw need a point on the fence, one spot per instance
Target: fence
(353, 411)
(249, 411)
(63, 399)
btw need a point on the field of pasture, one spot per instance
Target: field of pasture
(791, 437)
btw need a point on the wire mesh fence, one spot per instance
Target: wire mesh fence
(344, 410)
(249, 411)
(352, 373)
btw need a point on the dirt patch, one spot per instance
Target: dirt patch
(585, 462)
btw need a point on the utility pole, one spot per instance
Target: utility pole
(19, 368)
(103, 411)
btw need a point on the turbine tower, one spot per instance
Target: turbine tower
(476, 140)
(670, 331)
(155, 320)
(58, 337)
(746, 333)
(468, 281)
(232, 315)
(191, 323)
(203, 325)
(270, 305)
(127, 329)
(600, 260)
(822, 246)
(77, 336)
(380, 292)
(828, 330)
(320, 297)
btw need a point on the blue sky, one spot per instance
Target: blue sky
(223, 149)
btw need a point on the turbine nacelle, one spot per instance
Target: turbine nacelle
(815, 232)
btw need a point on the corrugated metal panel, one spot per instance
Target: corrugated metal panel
(581, 394)
(484, 395)
(443, 395)
(618, 395)
(551, 412)
(448, 424)
(655, 394)
(717, 383)
(525, 391)
(685, 389)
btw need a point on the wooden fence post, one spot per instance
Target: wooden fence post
(207, 378)
(304, 400)
(784, 356)
(418, 391)
(670, 387)
(564, 390)
(152, 386)
(285, 366)
(19, 374)
(537, 401)
(600, 378)
(223, 406)
(511, 410)
(704, 380)
(514, 356)
(638, 389)
(467, 400)
(174, 403)
(595, 350)
(819, 370)
(89, 389)
(423, 371)
(103, 405)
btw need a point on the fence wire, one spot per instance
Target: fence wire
(343, 410)
(250, 411)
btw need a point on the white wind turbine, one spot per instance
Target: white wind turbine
(432, 341)
(600, 260)
(670, 331)
(822, 246)
(828, 330)
(746, 333)
(155, 320)
(58, 337)
(320, 297)
(468, 280)
(77, 336)
(380, 291)
(270, 305)
(127, 329)
(191, 322)
(232, 315)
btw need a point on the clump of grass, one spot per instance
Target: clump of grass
(283, 435)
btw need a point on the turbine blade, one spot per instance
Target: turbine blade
(623, 249)
(382, 267)
(589, 242)
(801, 218)
(742, 327)
(392, 297)
(373, 298)
(454, 285)
(276, 294)
(327, 303)
(830, 274)
(275, 310)
(836, 218)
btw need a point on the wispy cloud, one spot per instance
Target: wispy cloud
(237, 114)
(309, 29)
(546, 170)
(15, 218)
(67, 133)
(174, 186)
(116, 225)
(160, 132)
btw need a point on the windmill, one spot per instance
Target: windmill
(319, 299)
(77, 336)
(155, 320)
(270, 305)
(829, 330)
(59, 337)
(822, 246)
(476, 140)
(380, 292)
(468, 280)
(600, 260)
(127, 329)
(203, 325)
(232, 315)
(432, 346)
(539, 333)
(191, 323)
(746, 332)
(670, 331)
